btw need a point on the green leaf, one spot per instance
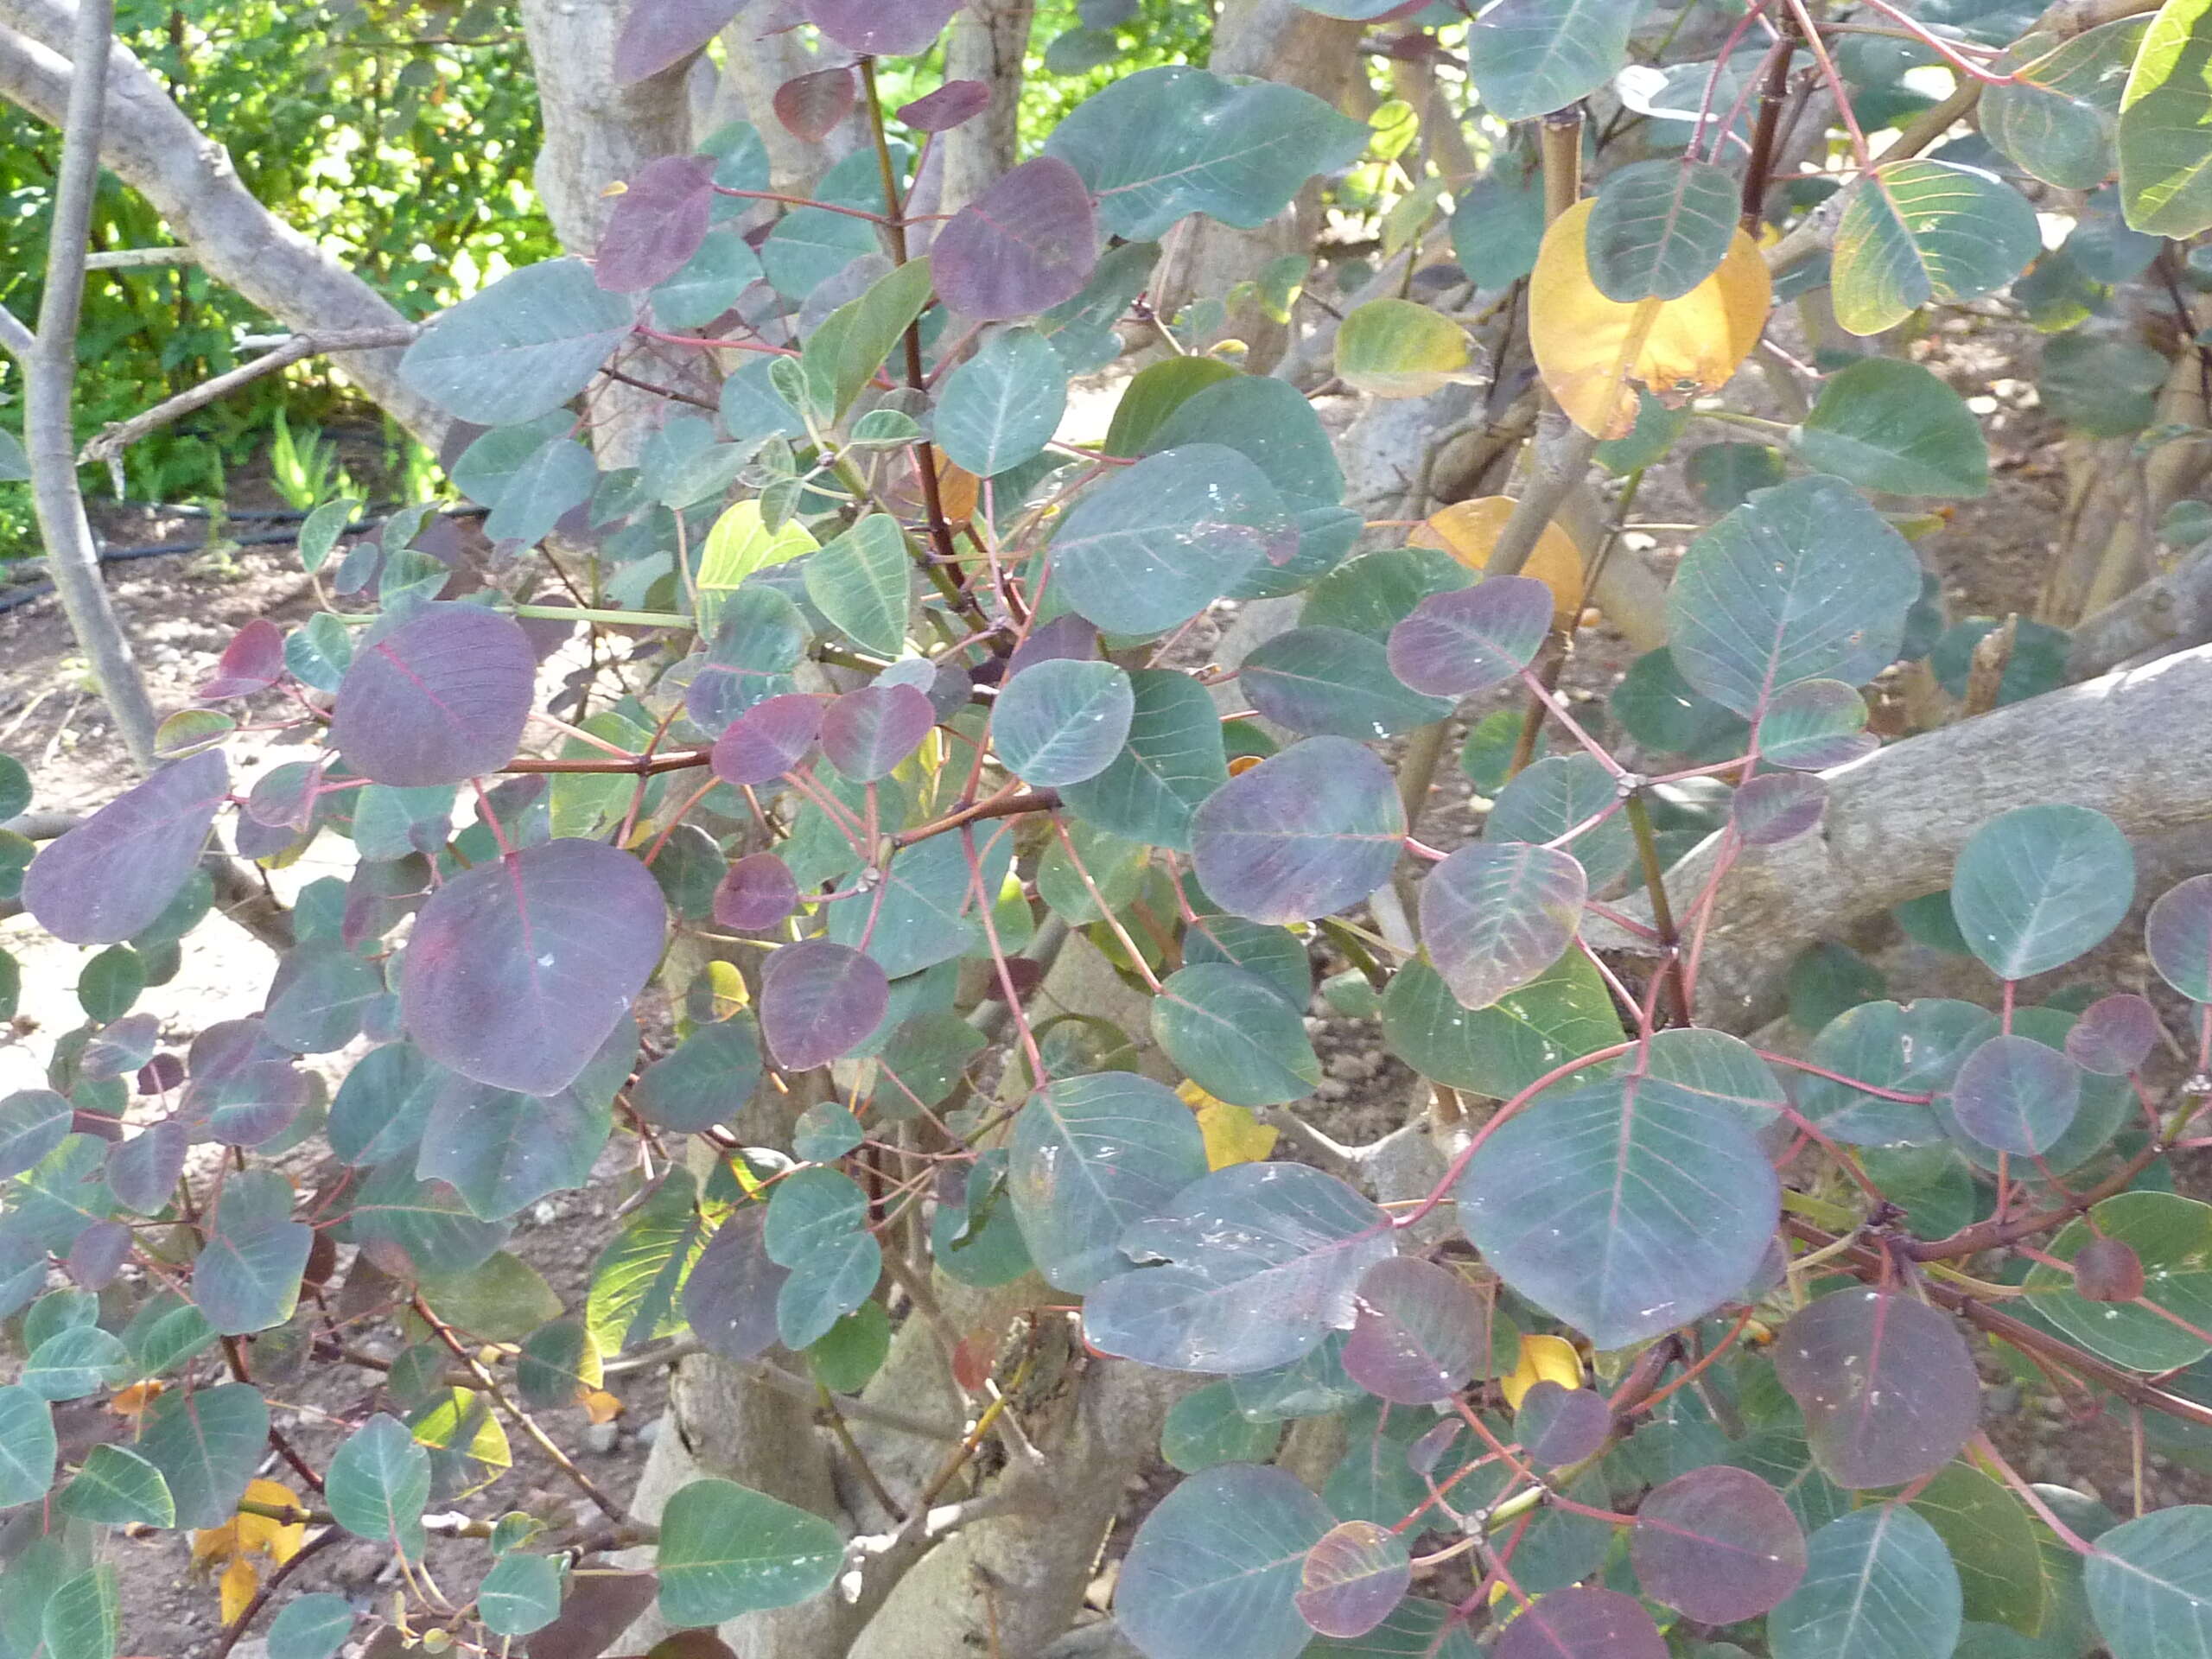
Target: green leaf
(1887, 424)
(1150, 547)
(1563, 1013)
(557, 1363)
(520, 348)
(117, 1487)
(520, 1594)
(1154, 393)
(863, 583)
(635, 1280)
(1234, 1035)
(1550, 798)
(1089, 1155)
(708, 283)
(313, 1627)
(1804, 582)
(1878, 1584)
(1164, 143)
(842, 355)
(1916, 232)
(1992, 1540)
(1527, 58)
(1173, 759)
(1497, 223)
(1002, 407)
(1213, 1572)
(1204, 1429)
(852, 1351)
(72, 1363)
(378, 1484)
(2057, 117)
(2165, 165)
(2038, 885)
(206, 1442)
(28, 1450)
(2101, 385)
(1660, 228)
(15, 464)
(425, 1221)
(501, 1300)
(247, 1277)
(2149, 1582)
(1063, 721)
(726, 1551)
(1395, 348)
(1627, 1207)
(111, 982)
(84, 1616)
(2171, 1237)
(1332, 681)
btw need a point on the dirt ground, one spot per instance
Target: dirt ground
(181, 610)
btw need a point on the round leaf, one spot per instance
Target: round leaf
(1887, 424)
(817, 1000)
(1063, 722)
(1353, 1579)
(866, 733)
(1309, 832)
(768, 740)
(1215, 1570)
(1718, 1545)
(521, 347)
(1471, 639)
(1089, 1155)
(1497, 913)
(378, 1484)
(2149, 1583)
(2016, 1095)
(726, 1550)
(1919, 231)
(1234, 1035)
(1421, 1335)
(113, 875)
(1887, 1386)
(440, 699)
(1335, 683)
(1878, 1584)
(1661, 228)
(2171, 1238)
(1583, 1623)
(1023, 246)
(1002, 407)
(2037, 886)
(2178, 934)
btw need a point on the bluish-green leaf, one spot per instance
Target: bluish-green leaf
(2037, 886)
(862, 580)
(1234, 1036)
(313, 1627)
(1002, 407)
(84, 1616)
(1171, 759)
(1063, 721)
(1561, 1014)
(117, 1487)
(2055, 118)
(206, 1442)
(378, 1484)
(1660, 228)
(1089, 1155)
(1878, 1584)
(1918, 231)
(520, 1594)
(520, 348)
(2149, 1582)
(1213, 1572)
(1527, 58)
(28, 1447)
(1887, 424)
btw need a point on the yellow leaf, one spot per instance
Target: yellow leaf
(1393, 348)
(601, 1406)
(725, 986)
(1233, 1135)
(1468, 530)
(737, 546)
(1593, 351)
(133, 1400)
(1543, 1359)
(239, 1582)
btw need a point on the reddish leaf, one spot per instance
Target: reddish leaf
(1717, 1545)
(1468, 639)
(253, 661)
(1353, 1578)
(1420, 1332)
(594, 1609)
(892, 28)
(867, 732)
(2015, 1094)
(817, 1000)
(1558, 1426)
(2114, 1034)
(1497, 913)
(1887, 1386)
(519, 969)
(1777, 807)
(758, 892)
(115, 873)
(657, 224)
(768, 740)
(658, 35)
(1026, 244)
(440, 699)
(955, 102)
(2109, 1270)
(730, 1296)
(1065, 635)
(1581, 1624)
(811, 105)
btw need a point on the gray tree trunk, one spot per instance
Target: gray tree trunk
(989, 40)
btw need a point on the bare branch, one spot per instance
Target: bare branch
(120, 434)
(141, 258)
(17, 339)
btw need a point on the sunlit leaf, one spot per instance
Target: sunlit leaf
(2165, 171)
(1916, 232)
(521, 347)
(1395, 348)
(2057, 117)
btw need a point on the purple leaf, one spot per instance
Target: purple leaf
(657, 224)
(2109, 1270)
(768, 740)
(1496, 914)
(242, 1088)
(1419, 1333)
(1886, 1384)
(811, 105)
(99, 1254)
(1026, 244)
(2114, 1034)
(730, 1296)
(883, 28)
(1067, 635)
(952, 104)
(758, 892)
(114, 874)
(518, 969)
(866, 733)
(1469, 639)
(1581, 1624)
(253, 661)
(2016, 1095)
(1353, 1578)
(658, 35)
(1558, 1426)
(440, 699)
(817, 1000)
(1305, 833)
(1778, 806)
(143, 1171)
(283, 796)
(1718, 1545)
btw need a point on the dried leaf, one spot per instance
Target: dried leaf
(1468, 530)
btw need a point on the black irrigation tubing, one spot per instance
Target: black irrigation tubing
(16, 599)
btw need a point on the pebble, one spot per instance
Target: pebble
(602, 1438)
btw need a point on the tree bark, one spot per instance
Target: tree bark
(2125, 745)
(598, 132)
(187, 177)
(989, 40)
